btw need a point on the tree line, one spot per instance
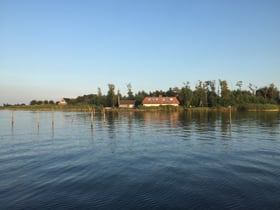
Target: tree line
(208, 93)
(42, 102)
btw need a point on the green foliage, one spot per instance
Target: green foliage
(129, 92)
(185, 95)
(111, 97)
(226, 98)
(206, 94)
(200, 95)
(269, 94)
(40, 102)
(139, 97)
(257, 107)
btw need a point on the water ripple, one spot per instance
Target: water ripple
(140, 161)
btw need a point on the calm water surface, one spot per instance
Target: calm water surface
(140, 161)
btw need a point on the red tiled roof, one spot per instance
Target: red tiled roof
(160, 100)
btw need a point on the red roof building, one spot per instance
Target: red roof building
(160, 101)
(126, 103)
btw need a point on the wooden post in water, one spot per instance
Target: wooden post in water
(104, 115)
(229, 115)
(91, 119)
(52, 119)
(13, 122)
(38, 119)
(52, 123)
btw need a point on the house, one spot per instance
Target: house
(160, 101)
(126, 103)
(64, 101)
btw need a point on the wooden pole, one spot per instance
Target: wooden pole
(104, 115)
(52, 124)
(91, 125)
(13, 122)
(91, 119)
(38, 119)
(229, 115)
(38, 123)
(52, 119)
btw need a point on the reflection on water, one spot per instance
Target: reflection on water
(201, 121)
(139, 160)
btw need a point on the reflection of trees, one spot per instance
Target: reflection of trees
(111, 117)
(126, 126)
(225, 122)
(129, 125)
(185, 118)
(203, 121)
(267, 119)
(119, 126)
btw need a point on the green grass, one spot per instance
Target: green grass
(74, 108)
(87, 108)
(258, 107)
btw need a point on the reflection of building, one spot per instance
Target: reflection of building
(126, 103)
(161, 118)
(64, 101)
(160, 101)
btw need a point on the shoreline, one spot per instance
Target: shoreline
(88, 108)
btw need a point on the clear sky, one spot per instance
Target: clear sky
(51, 49)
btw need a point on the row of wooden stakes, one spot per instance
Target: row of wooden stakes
(38, 118)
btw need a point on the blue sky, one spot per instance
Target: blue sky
(53, 48)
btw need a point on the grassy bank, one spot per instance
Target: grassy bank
(258, 107)
(68, 108)
(88, 108)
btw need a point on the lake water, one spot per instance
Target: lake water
(139, 161)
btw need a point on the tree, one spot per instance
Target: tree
(269, 94)
(273, 93)
(33, 102)
(252, 88)
(239, 85)
(212, 96)
(119, 95)
(172, 92)
(186, 95)
(225, 93)
(139, 97)
(238, 93)
(100, 98)
(111, 98)
(200, 94)
(129, 91)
